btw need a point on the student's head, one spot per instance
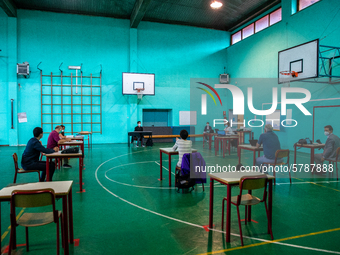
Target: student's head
(183, 134)
(38, 132)
(62, 127)
(208, 124)
(268, 128)
(139, 123)
(58, 129)
(328, 130)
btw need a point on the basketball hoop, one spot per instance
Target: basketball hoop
(140, 93)
(291, 73)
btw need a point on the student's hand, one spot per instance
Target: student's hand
(56, 149)
(177, 138)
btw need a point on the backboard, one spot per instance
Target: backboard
(142, 82)
(303, 59)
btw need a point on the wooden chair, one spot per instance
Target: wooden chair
(30, 199)
(280, 154)
(249, 183)
(21, 171)
(337, 158)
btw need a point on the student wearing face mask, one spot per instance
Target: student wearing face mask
(331, 145)
(227, 128)
(53, 140)
(138, 128)
(207, 129)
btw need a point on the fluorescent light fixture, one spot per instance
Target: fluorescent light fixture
(74, 67)
(216, 4)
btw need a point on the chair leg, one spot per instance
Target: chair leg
(239, 224)
(222, 212)
(269, 225)
(39, 176)
(15, 176)
(245, 219)
(58, 241)
(62, 231)
(10, 243)
(26, 238)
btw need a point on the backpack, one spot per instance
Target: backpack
(183, 181)
(149, 142)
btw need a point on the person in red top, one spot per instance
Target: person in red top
(53, 140)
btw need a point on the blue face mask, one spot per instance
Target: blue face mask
(326, 133)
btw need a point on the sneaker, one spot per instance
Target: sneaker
(67, 166)
(143, 145)
(137, 145)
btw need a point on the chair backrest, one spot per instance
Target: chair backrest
(253, 182)
(280, 154)
(15, 158)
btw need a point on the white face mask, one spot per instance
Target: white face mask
(207, 125)
(138, 125)
(326, 133)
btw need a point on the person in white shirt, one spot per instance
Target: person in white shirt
(228, 129)
(182, 145)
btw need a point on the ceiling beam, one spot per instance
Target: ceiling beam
(255, 13)
(138, 12)
(8, 7)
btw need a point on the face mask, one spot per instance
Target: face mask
(138, 125)
(60, 131)
(207, 125)
(326, 133)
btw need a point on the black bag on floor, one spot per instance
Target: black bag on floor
(183, 181)
(149, 142)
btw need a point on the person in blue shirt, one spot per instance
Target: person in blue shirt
(30, 157)
(270, 143)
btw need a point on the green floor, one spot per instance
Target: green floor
(126, 210)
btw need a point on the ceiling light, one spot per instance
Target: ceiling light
(216, 4)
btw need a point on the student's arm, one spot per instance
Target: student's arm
(259, 142)
(175, 146)
(328, 149)
(41, 148)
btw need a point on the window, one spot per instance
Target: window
(275, 17)
(262, 23)
(305, 3)
(236, 37)
(248, 31)
(258, 25)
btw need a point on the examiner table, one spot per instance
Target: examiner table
(139, 134)
(169, 152)
(249, 148)
(312, 147)
(62, 189)
(59, 155)
(232, 179)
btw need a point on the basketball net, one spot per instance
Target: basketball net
(290, 73)
(140, 93)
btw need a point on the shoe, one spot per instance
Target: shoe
(137, 145)
(143, 145)
(67, 166)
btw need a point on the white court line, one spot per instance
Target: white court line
(189, 223)
(305, 182)
(163, 167)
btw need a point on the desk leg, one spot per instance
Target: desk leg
(216, 144)
(48, 169)
(312, 156)
(239, 154)
(128, 141)
(82, 149)
(249, 210)
(65, 219)
(254, 158)
(80, 174)
(161, 165)
(270, 203)
(210, 141)
(294, 154)
(169, 170)
(228, 213)
(223, 146)
(70, 215)
(211, 203)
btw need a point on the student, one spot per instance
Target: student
(140, 138)
(30, 157)
(331, 145)
(53, 140)
(62, 133)
(228, 129)
(270, 143)
(207, 129)
(183, 145)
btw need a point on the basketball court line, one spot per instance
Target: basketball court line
(8, 229)
(192, 224)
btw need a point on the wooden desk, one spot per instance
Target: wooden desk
(312, 147)
(242, 135)
(169, 152)
(62, 189)
(72, 143)
(88, 137)
(249, 148)
(211, 135)
(58, 155)
(224, 140)
(232, 179)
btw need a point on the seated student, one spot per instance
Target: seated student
(62, 133)
(331, 145)
(53, 140)
(207, 129)
(30, 157)
(183, 145)
(228, 129)
(140, 138)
